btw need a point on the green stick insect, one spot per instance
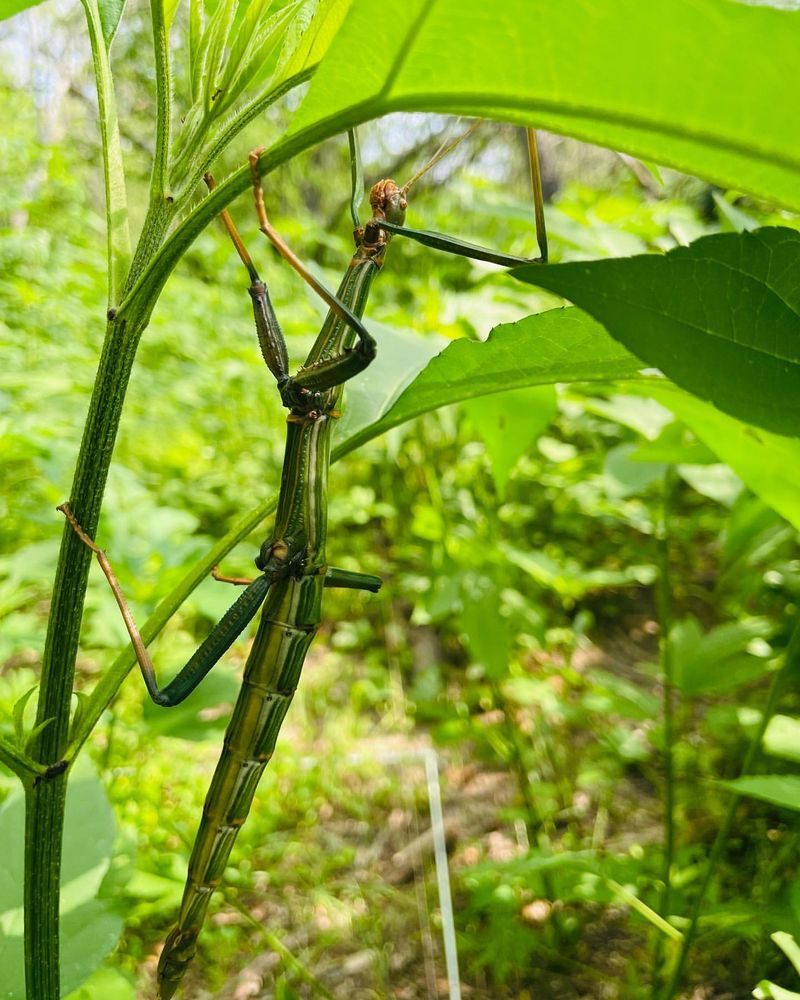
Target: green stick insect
(292, 561)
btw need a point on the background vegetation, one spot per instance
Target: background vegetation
(536, 546)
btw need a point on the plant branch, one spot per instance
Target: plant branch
(18, 762)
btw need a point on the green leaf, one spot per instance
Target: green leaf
(717, 482)
(718, 660)
(89, 927)
(170, 10)
(779, 789)
(314, 39)
(589, 70)
(561, 345)
(509, 423)
(624, 478)
(768, 464)
(788, 946)
(105, 984)
(401, 357)
(720, 317)
(770, 991)
(675, 445)
(569, 579)
(252, 42)
(782, 738)
(186, 721)
(111, 13)
(487, 632)
(11, 7)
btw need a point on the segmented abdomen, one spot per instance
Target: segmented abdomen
(288, 625)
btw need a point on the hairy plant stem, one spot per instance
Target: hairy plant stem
(791, 664)
(45, 799)
(664, 604)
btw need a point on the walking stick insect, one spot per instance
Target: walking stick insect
(292, 561)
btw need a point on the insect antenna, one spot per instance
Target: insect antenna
(441, 152)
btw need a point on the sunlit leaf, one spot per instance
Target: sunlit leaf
(310, 36)
(782, 738)
(561, 345)
(105, 984)
(524, 61)
(110, 15)
(11, 7)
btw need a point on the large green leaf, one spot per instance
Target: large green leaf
(721, 317)
(560, 345)
(702, 85)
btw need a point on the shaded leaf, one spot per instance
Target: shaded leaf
(111, 13)
(401, 357)
(197, 718)
(624, 478)
(720, 317)
(569, 579)
(675, 445)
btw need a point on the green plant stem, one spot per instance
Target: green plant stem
(117, 232)
(665, 614)
(791, 663)
(45, 799)
(159, 180)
